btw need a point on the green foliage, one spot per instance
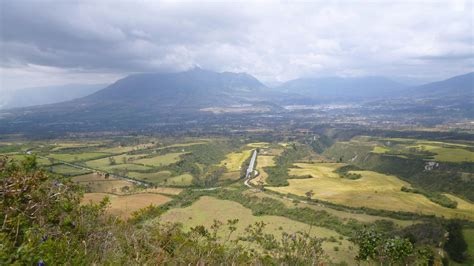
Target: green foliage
(344, 172)
(278, 174)
(44, 222)
(377, 247)
(456, 246)
(433, 196)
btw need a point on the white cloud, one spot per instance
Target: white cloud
(271, 40)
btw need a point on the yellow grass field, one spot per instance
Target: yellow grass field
(119, 159)
(125, 205)
(96, 183)
(262, 161)
(207, 209)
(160, 160)
(447, 154)
(72, 157)
(234, 160)
(184, 144)
(373, 190)
(67, 145)
(345, 216)
(163, 190)
(258, 145)
(124, 149)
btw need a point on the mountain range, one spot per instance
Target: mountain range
(162, 96)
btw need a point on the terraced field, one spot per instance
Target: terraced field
(373, 190)
(207, 209)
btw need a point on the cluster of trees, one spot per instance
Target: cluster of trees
(344, 172)
(278, 174)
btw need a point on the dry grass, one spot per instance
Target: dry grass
(161, 160)
(163, 190)
(207, 209)
(258, 145)
(125, 205)
(234, 160)
(345, 216)
(373, 190)
(96, 183)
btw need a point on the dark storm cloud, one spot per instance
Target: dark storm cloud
(100, 40)
(110, 35)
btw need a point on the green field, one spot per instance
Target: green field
(156, 178)
(180, 180)
(208, 209)
(97, 183)
(446, 154)
(373, 190)
(20, 157)
(343, 215)
(119, 159)
(128, 167)
(75, 157)
(469, 237)
(160, 160)
(67, 170)
(124, 149)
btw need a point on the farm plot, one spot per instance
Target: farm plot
(161, 160)
(75, 157)
(234, 160)
(98, 183)
(125, 149)
(117, 159)
(125, 205)
(446, 154)
(180, 180)
(373, 190)
(156, 178)
(207, 209)
(67, 170)
(20, 157)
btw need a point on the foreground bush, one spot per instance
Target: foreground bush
(44, 222)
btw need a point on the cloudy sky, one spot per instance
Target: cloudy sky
(57, 42)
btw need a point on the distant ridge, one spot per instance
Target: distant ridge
(462, 85)
(343, 88)
(192, 88)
